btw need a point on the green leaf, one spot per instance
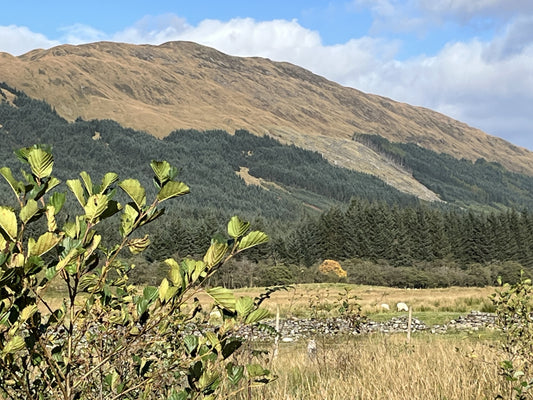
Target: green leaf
(133, 188)
(95, 206)
(255, 370)
(75, 186)
(222, 297)
(215, 253)
(161, 170)
(87, 181)
(191, 343)
(46, 242)
(108, 180)
(41, 162)
(244, 305)
(172, 189)
(237, 227)
(257, 315)
(28, 211)
(16, 186)
(57, 200)
(253, 239)
(235, 373)
(8, 222)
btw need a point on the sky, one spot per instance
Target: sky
(469, 59)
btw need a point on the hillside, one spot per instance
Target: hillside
(182, 85)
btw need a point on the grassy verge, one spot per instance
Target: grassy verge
(385, 367)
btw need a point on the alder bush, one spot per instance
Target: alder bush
(106, 338)
(513, 303)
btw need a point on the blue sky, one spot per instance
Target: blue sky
(470, 59)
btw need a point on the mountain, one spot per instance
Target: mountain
(182, 85)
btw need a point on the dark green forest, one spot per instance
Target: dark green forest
(312, 210)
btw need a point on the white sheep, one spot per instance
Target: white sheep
(402, 307)
(385, 306)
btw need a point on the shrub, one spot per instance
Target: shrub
(105, 338)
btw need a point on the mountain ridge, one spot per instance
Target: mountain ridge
(182, 85)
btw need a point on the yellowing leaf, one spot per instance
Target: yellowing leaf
(77, 189)
(215, 253)
(95, 206)
(138, 245)
(133, 188)
(41, 162)
(45, 243)
(222, 297)
(15, 344)
(29, 210)
(8, 222)
(237, 227)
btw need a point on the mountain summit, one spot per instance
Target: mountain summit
(180, 85)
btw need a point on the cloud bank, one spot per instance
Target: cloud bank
(487, 83)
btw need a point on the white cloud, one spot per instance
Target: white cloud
(18, 40)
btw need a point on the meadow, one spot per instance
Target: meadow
(461, 365)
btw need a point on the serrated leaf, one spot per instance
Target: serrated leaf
(8, 222)
(163, 290)
(235, 373)
(108, 180)
(51, 219)
(57, 200)
(67, 259)
(16, 186)
(41, 162)
(161, 170)
(215, 253)
(135, 191)
(127, 220)
(27, 312)
(257, 315)
(138, 245)
(28, 211)
(52, 183)
(46, 242)
(87, 181)
(254, 238)
(222, 297)
(175, 272)
(15, 344)
(75, 186)
(244, 305)
(172, 189)
(237, 227)
(95, 206)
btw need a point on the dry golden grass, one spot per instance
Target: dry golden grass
(385, 367)
(299, 300)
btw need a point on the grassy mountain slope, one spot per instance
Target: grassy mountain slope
(181, 85)
(220, 167)
(209, 162)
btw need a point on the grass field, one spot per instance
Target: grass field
(302, 300)
(385, 367)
